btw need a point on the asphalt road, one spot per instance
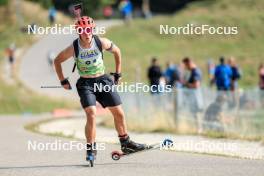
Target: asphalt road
(17, 159)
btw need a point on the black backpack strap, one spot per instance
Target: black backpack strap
(99, 44)
(76, 52)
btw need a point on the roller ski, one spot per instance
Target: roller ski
(91, 154)
(129, 147)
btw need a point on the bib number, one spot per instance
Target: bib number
(89, 62)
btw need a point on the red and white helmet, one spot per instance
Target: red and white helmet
(84, 22)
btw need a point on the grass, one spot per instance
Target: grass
(141, 40)
(17, 98)
(159, 122)
(33, 127)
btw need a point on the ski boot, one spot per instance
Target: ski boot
(128, 146)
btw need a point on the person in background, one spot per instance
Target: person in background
(52, 15)
(126, 9)
(146, 9)
(235, 73)
(172, 75)
(195, 77)
(154, 75)
(193, 96)
(222, 76)
(261, 82)
(11, 56)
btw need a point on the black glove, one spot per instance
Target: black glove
(65, 82)
(117, 76)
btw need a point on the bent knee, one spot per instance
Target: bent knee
(90, 112)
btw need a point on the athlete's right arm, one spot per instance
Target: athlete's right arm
(63, 56)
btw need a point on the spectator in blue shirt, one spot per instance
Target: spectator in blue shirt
(172, 74)
(223, 76)
(126, 9)
(52, 14)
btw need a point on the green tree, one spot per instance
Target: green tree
(3, 2)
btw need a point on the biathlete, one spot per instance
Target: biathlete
(87, 50)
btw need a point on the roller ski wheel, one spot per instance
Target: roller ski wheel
(168, 143)
(116, 155)
(90, 158)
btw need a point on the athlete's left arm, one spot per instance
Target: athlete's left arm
(111, 47)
